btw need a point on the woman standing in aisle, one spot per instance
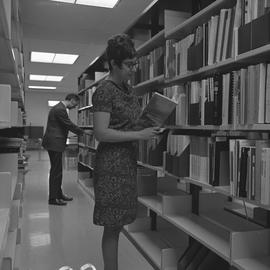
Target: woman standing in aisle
(116, 111)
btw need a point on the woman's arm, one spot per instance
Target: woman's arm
(105, 134)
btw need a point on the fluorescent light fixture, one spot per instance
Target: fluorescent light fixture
(37, 77)
(52, 103)
(45, 78)
(61, 58)
(54, 78)
(65, 1)
(96, 3)
(42, 57)
(53, 58)
(41, 87)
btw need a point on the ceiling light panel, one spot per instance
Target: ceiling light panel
(42, 57)
(41, 87)
(54, 78)
(65, 1)
(33, 77)
(53, 58)
(48, 78)
(98, 3)
(61, 58)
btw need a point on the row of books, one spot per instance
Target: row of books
(251, 90)
(179, 94)
(215, 40)
(151, 151)
(176, 56)
(85, 118)
(252, 9)
(88, 139)
(150, 65)
(87, 157)
(224, 99)
(205, 159)
(250, 169)
(241, 164)
(199, 102)
(210, 43)
(86, 97)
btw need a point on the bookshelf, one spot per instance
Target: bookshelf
(202, 16)
(11, 202)
(147, 86)
(156, 41)
(11, 62)
(85, 108)
(200, 210)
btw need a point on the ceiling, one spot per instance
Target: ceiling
(66, 28)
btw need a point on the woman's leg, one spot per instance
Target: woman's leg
(110, 247)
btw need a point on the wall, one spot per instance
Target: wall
(36, 106)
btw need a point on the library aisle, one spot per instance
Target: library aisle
(56, 236)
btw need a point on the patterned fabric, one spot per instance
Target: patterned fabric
(115, 170)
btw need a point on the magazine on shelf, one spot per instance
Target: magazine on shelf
(158, 109)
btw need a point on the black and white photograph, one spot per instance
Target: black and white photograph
(134, 134)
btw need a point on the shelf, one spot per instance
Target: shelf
(258, 263)
(5, 22)
(152, 241)
(4, 223)
(154, 42)
(82, 145)
(166, 202)
(10, 251)
(251, 250)
(162, 247)
(159, 169)
(209, 234)
(149, 85)
(201, 17)
(4, 125)
(155, 168)
(9, 71)
(87, 127)
(228, 129)
(152, 202)
(252, 202)
(225, 190)
(85, 108)
(85, 165)
(230, 222)
(258, 55)
(223, 66)
(93, 84)
(189, 127)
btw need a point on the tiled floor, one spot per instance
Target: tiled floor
(55, 236)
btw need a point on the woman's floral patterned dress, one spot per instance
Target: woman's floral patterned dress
(115, 170)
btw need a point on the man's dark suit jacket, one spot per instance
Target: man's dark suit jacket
(58, 125)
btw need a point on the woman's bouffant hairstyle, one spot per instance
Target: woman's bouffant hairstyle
(119, 48)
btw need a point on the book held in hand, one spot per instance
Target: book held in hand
(158, 109)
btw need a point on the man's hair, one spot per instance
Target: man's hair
(119, 48)
(72, 96)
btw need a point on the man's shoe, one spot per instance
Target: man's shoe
(57, 202)
(66, 198)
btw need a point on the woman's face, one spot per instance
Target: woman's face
(127, 68)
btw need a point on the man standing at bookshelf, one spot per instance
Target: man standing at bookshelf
(54, 141)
